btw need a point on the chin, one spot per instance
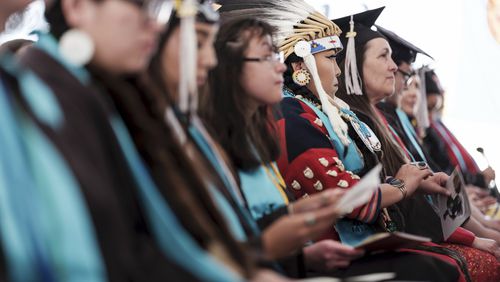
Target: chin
(138, 65)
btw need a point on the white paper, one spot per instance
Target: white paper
(360, 193)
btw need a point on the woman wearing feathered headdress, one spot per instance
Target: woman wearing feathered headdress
(317, 151)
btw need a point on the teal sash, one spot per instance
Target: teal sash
(173, 240)
(260, 192)
(410, 132)
(46, 230)
(198, 134)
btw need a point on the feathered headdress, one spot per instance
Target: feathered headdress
(299, 29)
(22, 25)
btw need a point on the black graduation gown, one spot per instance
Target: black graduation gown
(437, 148)
(414, 214)
(389, 112)
(89, 145)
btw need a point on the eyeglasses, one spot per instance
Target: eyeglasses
(274, 58)
(156, 10)
(408, 76)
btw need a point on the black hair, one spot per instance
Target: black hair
(248, 142)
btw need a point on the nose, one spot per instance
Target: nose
(280, 67)
(337, 69)
(392, 65)
(208, 58)
(413, 94)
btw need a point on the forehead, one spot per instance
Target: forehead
(260, 42)
(378, 44)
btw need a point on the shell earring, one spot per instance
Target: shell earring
(301, 77)
(77, 47)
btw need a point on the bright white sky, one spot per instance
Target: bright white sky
(467, 59)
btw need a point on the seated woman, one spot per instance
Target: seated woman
(403, 54)
(45, 227)
(163, 132)
(480, 224)
(372, 58)
(139, 229)
(444, 147)
(244, 104)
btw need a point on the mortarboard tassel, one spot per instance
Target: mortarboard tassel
(188, 98)
(352, 79)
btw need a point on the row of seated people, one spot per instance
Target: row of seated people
(122, 173)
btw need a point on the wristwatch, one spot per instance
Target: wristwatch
(398, 183)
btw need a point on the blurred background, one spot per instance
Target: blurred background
(454, 32)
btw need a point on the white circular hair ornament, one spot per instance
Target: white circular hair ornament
(76, 47)
(302, 48)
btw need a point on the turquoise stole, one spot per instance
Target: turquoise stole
(260, 192)
(173, 240)
(46, 231)
(201, 138)
(410, 132)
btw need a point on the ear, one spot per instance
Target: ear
(76, 11)
(298, 66)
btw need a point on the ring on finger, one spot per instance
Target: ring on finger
(310, 219)
(420, 165)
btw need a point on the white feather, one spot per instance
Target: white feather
(22, 25)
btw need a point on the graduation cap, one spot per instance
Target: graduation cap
(402, 50)
(356, 33)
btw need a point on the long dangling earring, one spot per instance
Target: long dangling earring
(301, 77)
(77, 47)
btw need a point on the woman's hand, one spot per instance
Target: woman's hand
(412, 176)
(328, 254)
(492, 224)
(289, 233)
(487, 245)
(488, 174)
(435, 184)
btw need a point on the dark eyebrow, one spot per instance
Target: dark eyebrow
(265, 43)
(271, 46)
